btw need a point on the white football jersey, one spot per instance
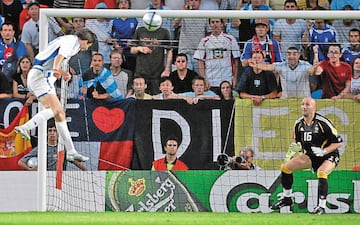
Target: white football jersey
(66, 46)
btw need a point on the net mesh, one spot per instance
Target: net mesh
(267, 129)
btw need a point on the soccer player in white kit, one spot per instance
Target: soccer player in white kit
(41, 78)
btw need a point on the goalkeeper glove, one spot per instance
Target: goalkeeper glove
(294, 149)
(320, 152)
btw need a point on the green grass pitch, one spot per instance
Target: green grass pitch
(113, 218)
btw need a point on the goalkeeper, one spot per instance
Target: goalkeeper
(320, 142)
(47, 68)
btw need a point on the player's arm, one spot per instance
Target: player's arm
(58, 72)
(334, 139)
(332, 147)
(320, 152)
(57, 62)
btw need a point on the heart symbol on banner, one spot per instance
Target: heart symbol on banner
(108, 120)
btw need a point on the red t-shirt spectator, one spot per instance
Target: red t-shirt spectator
(24, 15)
(161, 165)
(333, 79)
(90, 4)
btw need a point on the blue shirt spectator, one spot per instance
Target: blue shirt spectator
(320, 34)
(339, 4)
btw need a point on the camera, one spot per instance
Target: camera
(241, 159)
(223, 160)
(226, 161)
(189, 7)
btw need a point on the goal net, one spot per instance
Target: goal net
(123, 139)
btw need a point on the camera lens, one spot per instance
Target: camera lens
(241, 159)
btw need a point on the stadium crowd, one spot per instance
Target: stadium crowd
(292, 50)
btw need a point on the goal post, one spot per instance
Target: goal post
(114, 13)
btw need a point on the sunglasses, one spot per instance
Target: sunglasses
(180, 61)
(171, 145)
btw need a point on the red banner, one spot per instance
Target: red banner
(12, 145)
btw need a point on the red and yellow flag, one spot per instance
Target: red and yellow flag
(12, 145)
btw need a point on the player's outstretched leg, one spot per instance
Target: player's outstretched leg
(71, 154)
(23, 131)
(34, 122)
(75, 156)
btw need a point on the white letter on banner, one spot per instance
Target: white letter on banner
(9, 107)
(356, 202)
(263, 200)
(216, 133)
(231, 179)
(259, 133)
(340, 206)
(344, 119)
(312, 194)
(156, 135)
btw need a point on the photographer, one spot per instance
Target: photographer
(244, 161)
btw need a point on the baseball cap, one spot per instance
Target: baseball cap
(261, 22)
(33, 2)
(101, 5)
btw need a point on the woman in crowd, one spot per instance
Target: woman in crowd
(19, 87)
(355, 82)
(226, 92)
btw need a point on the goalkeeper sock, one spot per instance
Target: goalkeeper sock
(64, 133)
(287, 178)
(287, 192)
(39, 118)
(322, 191)
(322, 203)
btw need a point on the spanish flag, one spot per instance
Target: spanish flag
(12, 145)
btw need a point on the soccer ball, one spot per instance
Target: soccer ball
(32, 162)
(152, 21)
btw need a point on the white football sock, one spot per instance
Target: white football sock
(39, 118)
(64, 133)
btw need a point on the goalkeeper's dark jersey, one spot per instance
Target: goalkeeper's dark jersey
(321, 133)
